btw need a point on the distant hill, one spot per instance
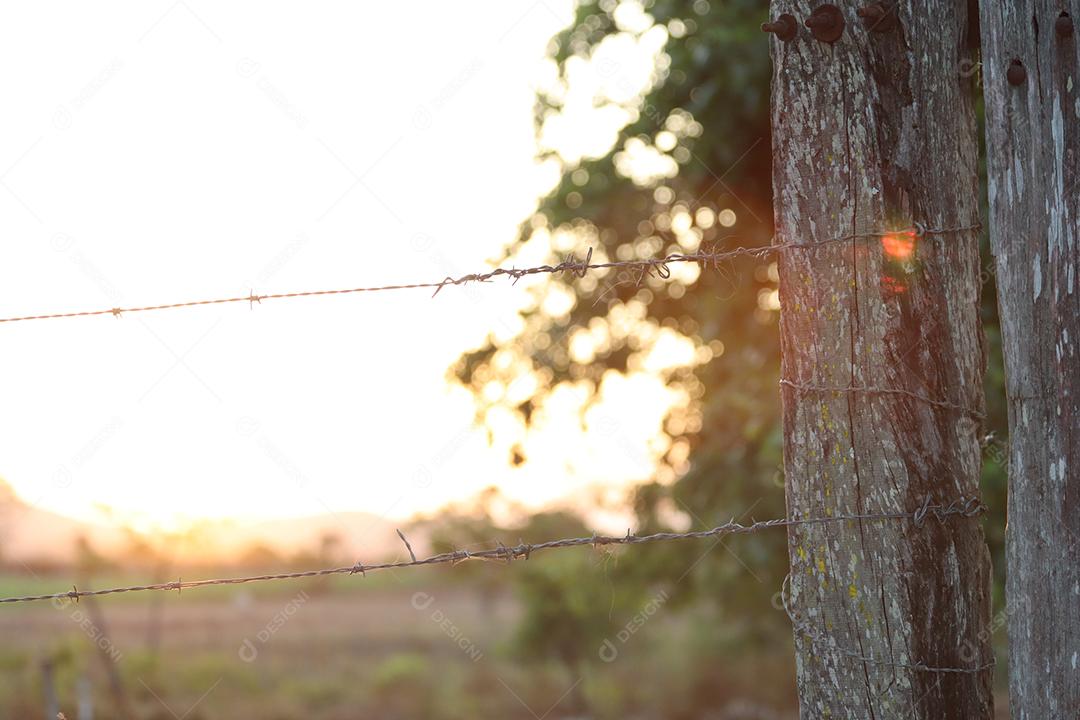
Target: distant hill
(360, 535)
(28, 533)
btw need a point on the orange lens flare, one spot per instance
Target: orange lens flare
(892, 286)
(899, 246)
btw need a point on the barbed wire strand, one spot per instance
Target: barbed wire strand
(965, 507)
(823, 641)
(570, 265)
(868, 390)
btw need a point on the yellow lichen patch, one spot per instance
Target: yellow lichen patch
(821, 563)
(800, 552)
(853, 591)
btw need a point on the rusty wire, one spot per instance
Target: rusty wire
(870, 390)
(964, 507)
(569, 265)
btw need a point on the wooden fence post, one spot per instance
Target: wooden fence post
(105, 648)
(883, 357)
(1030, 69)
(48, 687)
(85, 693)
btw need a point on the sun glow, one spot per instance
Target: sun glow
(317, 409)
(899, 246)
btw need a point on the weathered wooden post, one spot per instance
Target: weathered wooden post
(1030, 68)
(48, 686)
(883, 359)
(85, 692)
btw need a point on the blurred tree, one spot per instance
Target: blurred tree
(7, 507)
(88, 561)
(259, 555)
(469, 526)
(330, 548)
(575, 605)
(689, 169)
(702, 118)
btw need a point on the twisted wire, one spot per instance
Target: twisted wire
(870, 390)
(569, 265)
(964, 507)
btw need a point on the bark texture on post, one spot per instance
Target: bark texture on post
(872, 132)
(1033, 154)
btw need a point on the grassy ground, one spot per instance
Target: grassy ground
(391, 645)
(383, 646)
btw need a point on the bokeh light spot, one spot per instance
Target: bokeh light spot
(899, 246)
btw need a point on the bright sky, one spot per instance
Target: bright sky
(156, 152)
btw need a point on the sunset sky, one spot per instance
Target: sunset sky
(168, 152)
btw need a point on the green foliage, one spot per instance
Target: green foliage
(402, 686)
(205, 670)
(566, 602)
(400, 671)
(710, 90)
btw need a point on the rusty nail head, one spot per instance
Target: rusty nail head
(1016, 74)
(1064, 25)
(826, 23)
(785, 27)
(877, 17)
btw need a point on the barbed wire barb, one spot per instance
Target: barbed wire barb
(407, 545)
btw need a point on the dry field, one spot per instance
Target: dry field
(379, 647)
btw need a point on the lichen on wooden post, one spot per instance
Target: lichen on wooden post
(871, 133)
(1030, 67)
